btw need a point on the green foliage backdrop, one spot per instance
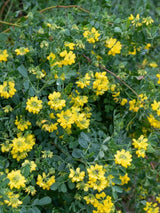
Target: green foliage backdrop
(79, 106)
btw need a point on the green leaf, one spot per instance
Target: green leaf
(101, 154)
(43, 201)
(77, 153)
(116, 181)
(55, 186)
(63, 188)
(117, 30)
(118, 189)
(23, 71)
(83, 143)
(67, 32)
(150, 149)
(26, 85)
(71, 185)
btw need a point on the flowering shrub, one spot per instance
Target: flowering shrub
(80, 113)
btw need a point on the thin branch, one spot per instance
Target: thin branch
(63, 6)
(11, 24)
(112, 73)
(5, 4)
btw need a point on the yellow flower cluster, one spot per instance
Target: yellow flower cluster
(123, 158)
(100, 201)
(7, 89)
(114, 46)
(22, 124)
(70, 45)
(154, 122)
(123, 101)
(37, 71)
(147, 20)
(48, 126)
(153, 64)
(22, 51)
(16, 179)
(84, 82)
(135, 20)
(124, 179)
(73, 115)
(97, 179)
(13, 200)
(101, 83)
(34, 105)
(31, 165)
(45, 181)
(92, 36)
(151, 207)
(68, 58)
(158, 76)
(135, 105)
(21, 145)
(156, 107)
(140, 144)
(76, 175)
(3, 55)
(31, 190)
(55, 101)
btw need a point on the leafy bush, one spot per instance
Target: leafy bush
(80, 110)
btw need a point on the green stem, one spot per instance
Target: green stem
(63, 6)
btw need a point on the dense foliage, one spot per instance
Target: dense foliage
(79, 107)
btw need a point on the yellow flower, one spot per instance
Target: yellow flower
(6, 146)
(55, 101)
(154, 122)
(50, 127)
(124, 179)
(114, 45)
(51, 56)
(31, 165)
(158, 198)
(95, 172)
(47, 154)
(153, 64)
(158, 76)
(101, 83)
(131, 17)
(151, 207)
(84, 82)
(92, 36)
(22, 145)
(69, 58)
(123, 158)
(31, 190)
(16, 179)
(123, 101)
(76, 175)
(3, 55)
(147, 20)
(70, 45)
(13, 200)
(148, 45)
(7, 89)
(22, 51)
(22, 124)
(34, 105)
(135, 20)
(66, 118)
(45, 181)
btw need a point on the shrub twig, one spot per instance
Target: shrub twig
(11, 24)
(65, 7)
(112, 73)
